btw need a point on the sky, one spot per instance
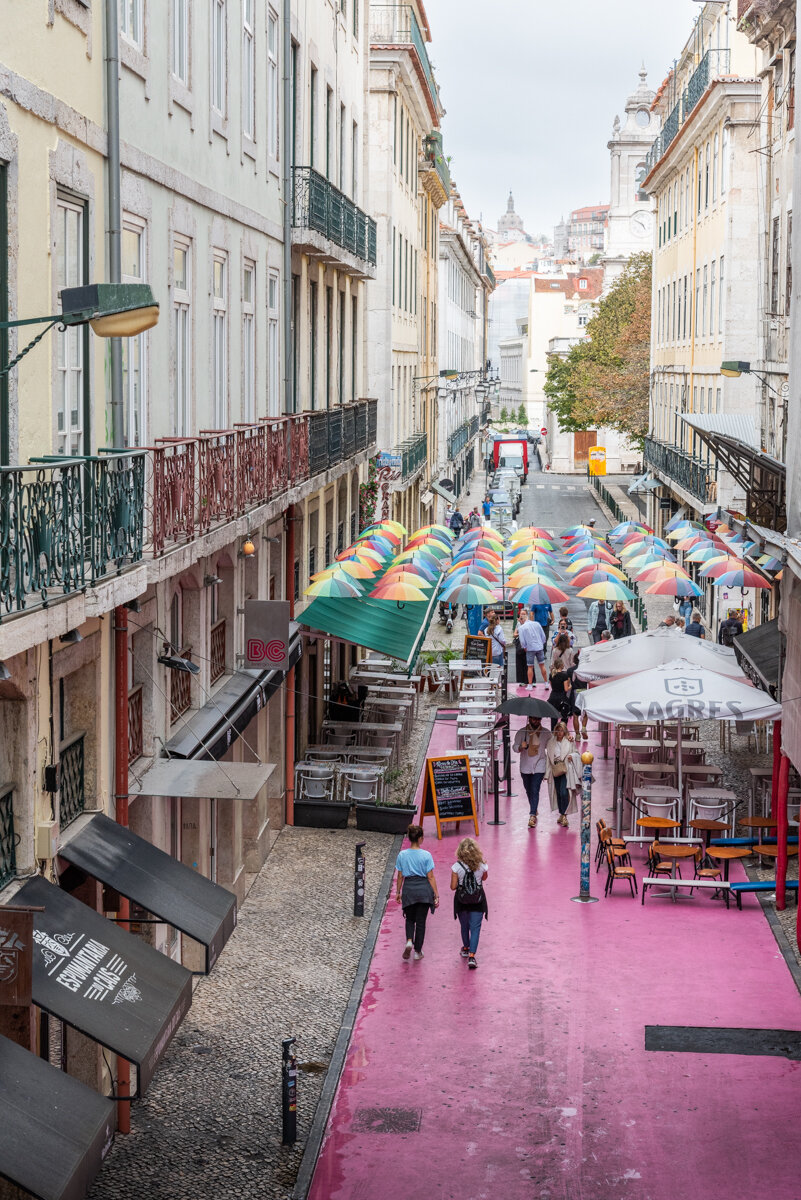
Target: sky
(531, 89)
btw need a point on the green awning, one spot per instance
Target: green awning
(375, 624)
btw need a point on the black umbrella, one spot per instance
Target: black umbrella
(528, 706)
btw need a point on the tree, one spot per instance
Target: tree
(604, 381)
(503, 416)
(522, 415)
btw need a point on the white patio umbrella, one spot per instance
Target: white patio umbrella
(676, 691)
(642, 651)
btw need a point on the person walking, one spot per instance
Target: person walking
(561, 653)
(415, 890)
(668, 622)
(521, 673)
(684, 607)
(531, 637)
(598, 615)
(486, 508)
(495, 631)
(695, 626)
(620, 621)
(457, 522)
(474, 520)
(543, 615)
(563, 616)
(469, 899)
(563, 776)
(577, 685)
(731, 628)
(488, 615)
(530, 743)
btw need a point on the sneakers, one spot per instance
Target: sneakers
(471, 962)
(418, 954)
(532, 821)
(562, 821)
(407, 951)
(465, 952)
(529, 687)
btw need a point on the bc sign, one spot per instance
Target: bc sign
(267, 634)
(597, 459)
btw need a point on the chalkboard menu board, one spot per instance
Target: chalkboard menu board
(478, 647)
(448, 791)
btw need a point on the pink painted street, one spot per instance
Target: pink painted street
(529, 1076)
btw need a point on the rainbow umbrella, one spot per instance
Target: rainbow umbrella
(530, 531)
(384, 530)
(362, 554)
(601, 575)
(472, 568)
(468, 593)
(522, 578)
(443, 530)
(768, 562)
(395, 527)
(403, 592)
(405, 574)
(626, 527)
(705, 554)
(721, 566)
(658, 572)
(611, 589)
(581, 564)
(358, 569)
(539, 593)
(674, 587)
(647, 559)
(470, 578)
(741, 578)
(375, 542)
(335, 585)
(576, 529)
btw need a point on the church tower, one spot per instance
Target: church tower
(510, 225)
(630, 227)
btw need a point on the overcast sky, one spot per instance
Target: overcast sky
(531, 89)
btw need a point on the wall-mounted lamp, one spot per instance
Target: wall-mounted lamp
(733, 370)
(70, 638)
(133, 605)
(4, 671)
(211, 580)
(248, 549)
(268, 537)
(174, 663)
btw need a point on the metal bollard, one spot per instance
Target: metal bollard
(358, 881)
(289, 1093)
(584, 896)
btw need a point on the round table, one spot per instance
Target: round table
(657, 823)
(671, 850)
(725, 854)
(706, 826)
(773, 851)
(758, 822)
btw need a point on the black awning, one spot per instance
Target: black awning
(102, 980)
(54, 1131)
(156, 881)
(210, 731)
(761, 653)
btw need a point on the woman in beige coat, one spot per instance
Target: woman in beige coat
(563, 772)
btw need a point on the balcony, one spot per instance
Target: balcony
(181, 688)
(217, 651)
(69, 524)
(319, 208)
(713, 65)
(489, 274)
(8, 857)
(135, 734)
(72, 794)
(395, 25)
(433, 157)
(690, 473)
(412, 452)
(462, 436)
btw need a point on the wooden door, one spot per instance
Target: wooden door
(581, 446)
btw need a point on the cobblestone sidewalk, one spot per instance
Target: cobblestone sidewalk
(210, 1125)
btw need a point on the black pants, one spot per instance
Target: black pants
(415, 915)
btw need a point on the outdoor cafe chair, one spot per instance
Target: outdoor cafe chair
(316, 783)
(322, 754)
(617, 871)
(709, 812)
(706, 872)
(362, 783)
(659, 866)
(620, 850)
(661, 808)
(339, 737)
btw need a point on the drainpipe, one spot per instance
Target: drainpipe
(289, 399)
(114, 210)
(121, 815)
(289, 739)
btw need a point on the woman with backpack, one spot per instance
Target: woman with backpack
(469, 901)
(415, 890)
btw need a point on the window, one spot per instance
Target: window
(678, 312)
(313, 342)
(355, 10)
(675, 209)
(788, 281)
(312, 116)
(4, 355)
(684, 325)
(354, 164)
(712, 279)
(219, 66)
(329, 132)
(182, 336)
(354, 348)
(273, 365)
(249, 341)
(132, 21)
(673, 312)
(248, 71)
(134, 348)
(720, 298)
(774, 264)
(180, 40)
(697, 321)
(328, 343)
(706, 177)
(71, 270)
(219, 340)
(272, 84)
(582, 284)
(341, 348)
(715, 167)
(704, 302)
(724, 160)
(342, 145)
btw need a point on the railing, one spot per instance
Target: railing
(489, 273)
(432, 153)
(217, 651)
(181, 688)
(606, 497)
(714, 64)
(135, 733)
(72, 795)
(412, 452)
(318, 205)
(396, 25)
(690, 473)
(8, 854)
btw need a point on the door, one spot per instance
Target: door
(581, 447)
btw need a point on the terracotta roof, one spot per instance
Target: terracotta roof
(569, 286)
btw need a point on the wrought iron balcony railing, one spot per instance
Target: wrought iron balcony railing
(67, 524)
(397, 25)
(217, 654)
(461, 436)
(714, 64)
(413, 452)
(489, 273)
(181, 688)
(318, 205)
(72, 794)
(135, 724)
(8, 856)
(432, 153)
(695, 476)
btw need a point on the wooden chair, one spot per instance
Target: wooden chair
(707, 872)
(619, 849)
(618, 872)
(659, 866)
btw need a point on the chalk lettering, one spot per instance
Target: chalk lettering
(76, 973)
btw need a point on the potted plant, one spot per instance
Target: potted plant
(387, 814)
(319, 807)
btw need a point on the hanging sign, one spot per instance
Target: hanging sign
(448, 791)
(16, 956)
(267, 635)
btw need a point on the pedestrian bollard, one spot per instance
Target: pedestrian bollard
(289, 1092)
(358, 881)
(495, 781)
(584, 896)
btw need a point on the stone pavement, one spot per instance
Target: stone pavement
(210, 1124)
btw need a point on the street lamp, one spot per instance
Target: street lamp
(112, 310)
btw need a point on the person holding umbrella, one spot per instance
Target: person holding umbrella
(530, 743)
(563, 772)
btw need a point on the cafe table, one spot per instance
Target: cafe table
(761, 781)
(675, 851)
(706, 826)
(758, 823)
(727, 854)
(657, 825)
(773, 851)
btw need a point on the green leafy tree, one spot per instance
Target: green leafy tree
(503, 416)
(522, 415)
(604, 381)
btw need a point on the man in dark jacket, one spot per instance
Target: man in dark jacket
(731, 628)
(457, 522)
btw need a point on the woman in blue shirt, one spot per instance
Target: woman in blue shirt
(416, 890)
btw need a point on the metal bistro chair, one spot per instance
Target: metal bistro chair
(361, 784)
(316, 783)
(320, 754)
(661, 808)
(339, 737)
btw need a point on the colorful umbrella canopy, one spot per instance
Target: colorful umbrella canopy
(529, 531)
(742, 578)
(474, 577)
(334, 585)
(362, 553)
(575, 529)
(768, 562)
(402, 575)
(539, 593)
(601, 575)
(443, 530)
(581, 564)
(674, 587)
(395, 526)
(434, 544)
(721, 566)
(384, 531)
(398, 591)
(611, 589)
(655, 572)
(468, 593)
(626, 527)
(705, 554)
